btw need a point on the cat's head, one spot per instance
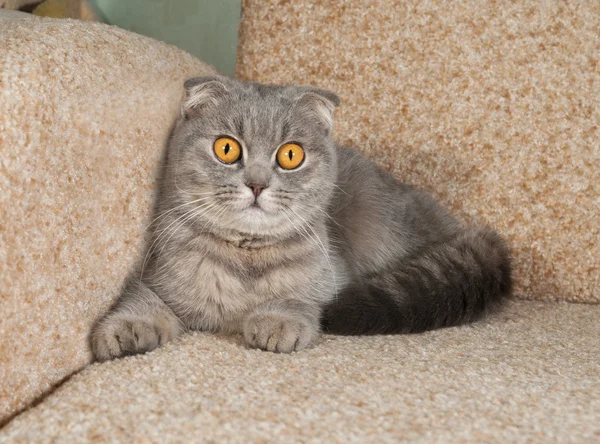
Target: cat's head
(256, 159)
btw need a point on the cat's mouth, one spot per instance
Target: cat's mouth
(252, 207)
(255, 207)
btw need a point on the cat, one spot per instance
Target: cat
(265, 227)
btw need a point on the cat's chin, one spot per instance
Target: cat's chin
(256, 218)
(255, 209)
(258, 221)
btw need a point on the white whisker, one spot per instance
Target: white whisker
(296, 228)
(164, 213)
(320, 245)
(161, 234)
(190, 215)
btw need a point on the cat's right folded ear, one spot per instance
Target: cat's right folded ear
(201, 92)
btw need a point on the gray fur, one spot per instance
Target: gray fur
(335, 243)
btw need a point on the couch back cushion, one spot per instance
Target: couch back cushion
(493, 107)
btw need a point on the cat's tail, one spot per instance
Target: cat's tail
(447, 284)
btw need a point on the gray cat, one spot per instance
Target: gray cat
(265, 227)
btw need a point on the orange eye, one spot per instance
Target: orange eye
(290, 156)
(227, 149)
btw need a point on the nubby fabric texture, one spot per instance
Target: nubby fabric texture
(85, 110)
(493, 108)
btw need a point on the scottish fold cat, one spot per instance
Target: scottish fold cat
(265, 227)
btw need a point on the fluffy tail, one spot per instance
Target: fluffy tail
(447, 284)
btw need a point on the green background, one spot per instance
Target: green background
(207, 29)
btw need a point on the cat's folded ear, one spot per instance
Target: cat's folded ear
(201, 92)
(319, 102)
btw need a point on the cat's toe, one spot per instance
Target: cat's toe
(291, 337)
(117, 337)
(138, 337)
(105, 346)
(277, 333)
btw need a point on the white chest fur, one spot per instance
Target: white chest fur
(213, 289)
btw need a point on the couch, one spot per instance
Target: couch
(493, 109)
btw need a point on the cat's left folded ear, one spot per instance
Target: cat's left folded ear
(319, 102)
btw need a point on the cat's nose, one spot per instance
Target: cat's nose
(256, 188)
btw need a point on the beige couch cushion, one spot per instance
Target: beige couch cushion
(529, 374)
(494, 107)
(84, 112)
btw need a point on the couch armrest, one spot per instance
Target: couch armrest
(85, 110)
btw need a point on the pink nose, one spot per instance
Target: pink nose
(256, 188)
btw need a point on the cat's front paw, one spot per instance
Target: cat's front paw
(279, 332)
(124, 335)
